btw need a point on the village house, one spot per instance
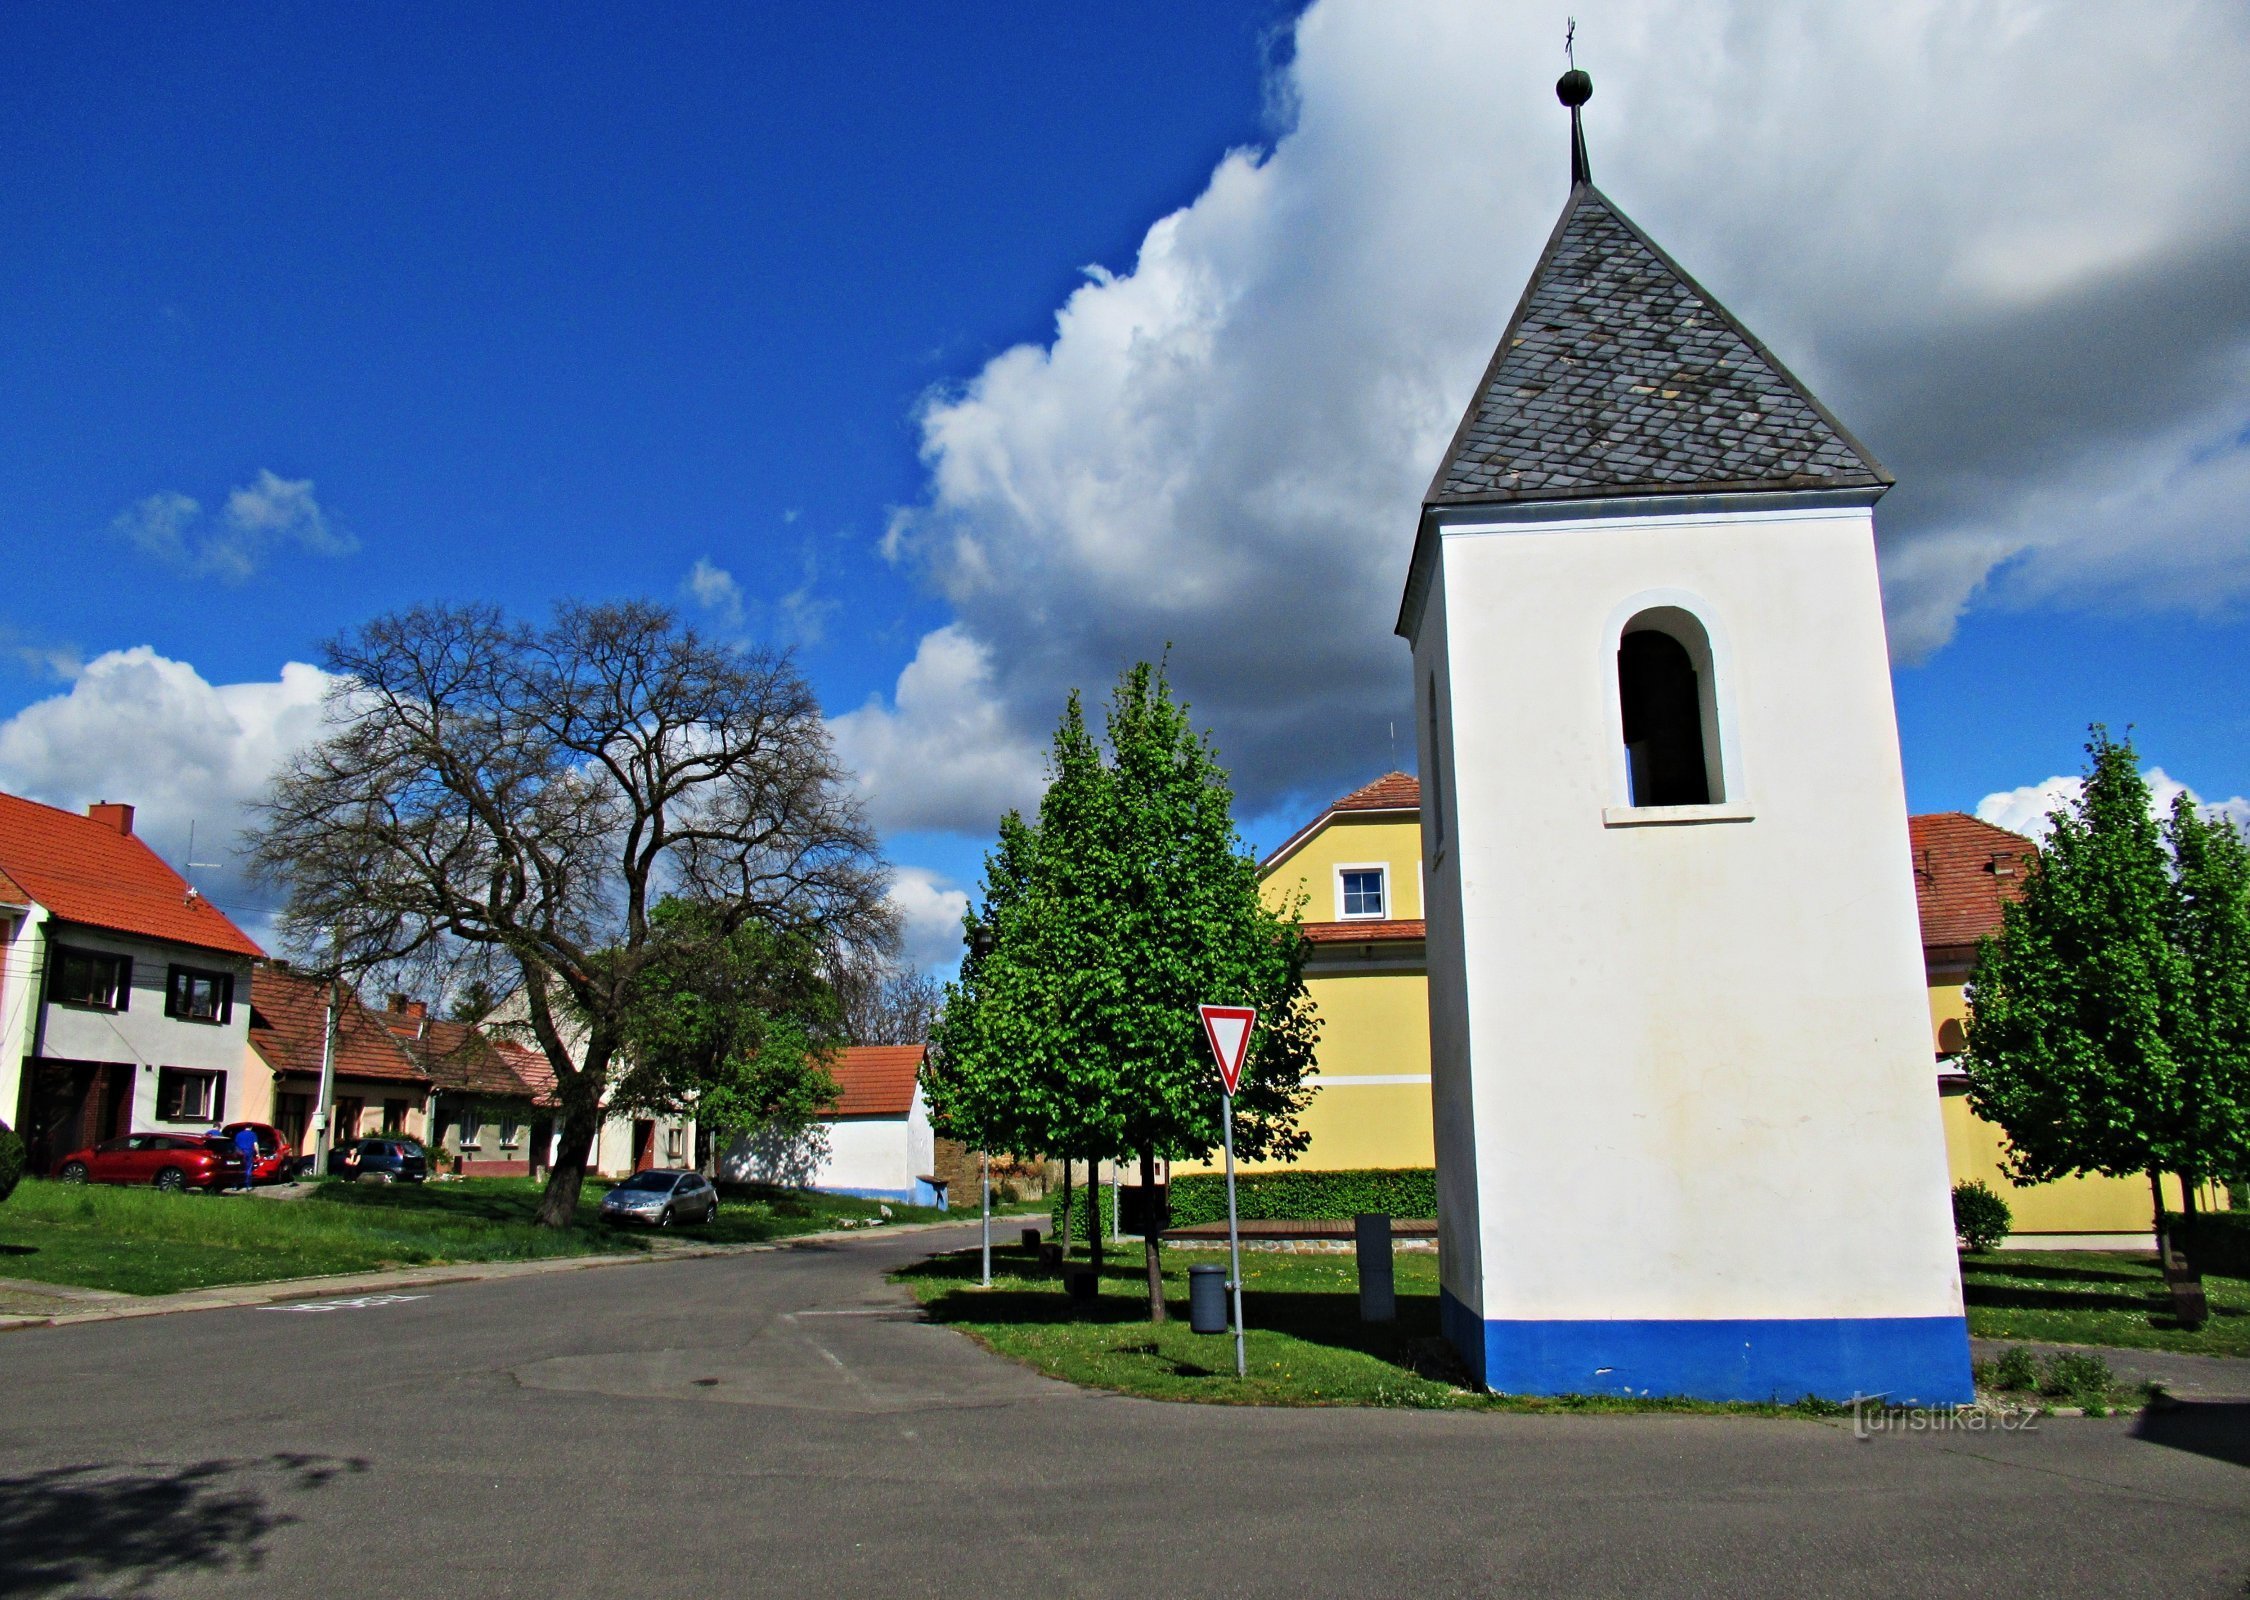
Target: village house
(493, 1110)
(376, 1085)
(123, 993)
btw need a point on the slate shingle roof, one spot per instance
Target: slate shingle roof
(1620, 376)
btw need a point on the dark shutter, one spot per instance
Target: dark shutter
(124, 968)
(219, 1098)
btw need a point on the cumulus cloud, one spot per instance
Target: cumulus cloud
(798, 617)
(138, 727)
(930, 907)
(942, 753)
(2022, 275)
(268, 514)
(2027, 810)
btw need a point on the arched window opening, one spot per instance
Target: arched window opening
(1952, 1038)
(1665, 693)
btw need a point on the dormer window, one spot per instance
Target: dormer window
(1362, 894)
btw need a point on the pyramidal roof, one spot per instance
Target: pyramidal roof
(1620, 376)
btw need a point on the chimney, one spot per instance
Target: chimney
(404, 1006)
(112, 815)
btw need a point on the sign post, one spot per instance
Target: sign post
(1227, 1029)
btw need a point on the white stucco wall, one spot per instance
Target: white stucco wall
(141, 1034)
(874, 1155)
(1696, 1056)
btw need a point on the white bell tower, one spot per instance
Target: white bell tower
(1687, 1125)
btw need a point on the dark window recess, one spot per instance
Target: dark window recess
(185, 1096)
(1663, 710)
(197, 996)
(91, 978)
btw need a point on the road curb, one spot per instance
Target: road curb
(238, 1296)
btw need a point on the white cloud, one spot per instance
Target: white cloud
(259, 517)
(141, 728)
(2026, 810)
(942, 753)
(714, 589)
(2022, 274)
(930, 908)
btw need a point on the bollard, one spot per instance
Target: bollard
(1207, 1299)
(1050, 1257)
(1080, 1283)
(1031, 1241)
(1378, 1301)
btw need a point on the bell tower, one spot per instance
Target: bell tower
(1687, 1129)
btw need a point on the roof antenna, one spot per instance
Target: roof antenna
(193, 893)
(1574, 89)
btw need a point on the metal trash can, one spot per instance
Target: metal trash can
(1207, 1299)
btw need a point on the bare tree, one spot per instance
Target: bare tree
(886, 1001)
(530, 793)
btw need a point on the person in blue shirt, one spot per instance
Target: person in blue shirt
(246, 1142)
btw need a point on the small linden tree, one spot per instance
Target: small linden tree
(1126, 903)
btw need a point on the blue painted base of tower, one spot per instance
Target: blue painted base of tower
(1906, 1361)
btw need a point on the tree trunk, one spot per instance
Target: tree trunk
(1094, 1214)
(2156, 1194)
(1062, 1234)
(2188, 1215)
(1152, 1236)
(558, 1207)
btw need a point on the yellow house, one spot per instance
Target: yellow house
(1356, 869)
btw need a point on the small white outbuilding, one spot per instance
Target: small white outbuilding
(876, 1144)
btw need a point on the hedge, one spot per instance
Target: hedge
(2218, 1242)
(12, 1160)
(1277, 1196)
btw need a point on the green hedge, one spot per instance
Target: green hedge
(1270, 1196)
(1306, 1196)
(12, 1160)
(2218, 1242)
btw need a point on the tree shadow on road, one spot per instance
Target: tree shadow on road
(117, 1528)
(2219, 1429)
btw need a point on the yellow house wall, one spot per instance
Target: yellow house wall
(1395, 843)
(1975, 1149)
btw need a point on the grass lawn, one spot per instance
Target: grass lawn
(2096, 1297)
(1306, 1344)
(142, 1242)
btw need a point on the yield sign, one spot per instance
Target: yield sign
(1228, 1029)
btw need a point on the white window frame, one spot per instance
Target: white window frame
(675, 1144)
(511, 1131)
(207, 1106)
(1381, 869)
(466, 1133)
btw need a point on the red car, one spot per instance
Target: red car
(276, 1161)
(170, 1161)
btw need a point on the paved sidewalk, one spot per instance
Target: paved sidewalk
(2185, 1377)
(28, 1304)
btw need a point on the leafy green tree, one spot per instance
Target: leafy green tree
(1129, 902)
(2105, 1025)
(13, 1160)
(731, 1023)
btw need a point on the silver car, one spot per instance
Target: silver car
(660, 1197)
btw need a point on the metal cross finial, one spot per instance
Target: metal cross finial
(1574, 89)
(1570, 40)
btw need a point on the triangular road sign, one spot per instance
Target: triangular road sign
(1228, 1030)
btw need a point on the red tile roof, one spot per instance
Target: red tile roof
(286, 1013)
(1367, 931)
(531, 1069)
(11, 892)
(1964, 870)
(1393, 791)
(87, 872)
(877, 1079)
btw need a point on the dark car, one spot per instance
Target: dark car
(170, 1161)
(661, 1197)
(389, 1160)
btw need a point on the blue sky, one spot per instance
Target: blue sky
(524, 302)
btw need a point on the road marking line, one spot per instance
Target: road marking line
(357, 1303)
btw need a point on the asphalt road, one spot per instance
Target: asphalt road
(780, 1424)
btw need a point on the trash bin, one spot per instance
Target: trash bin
(1207, 1299)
